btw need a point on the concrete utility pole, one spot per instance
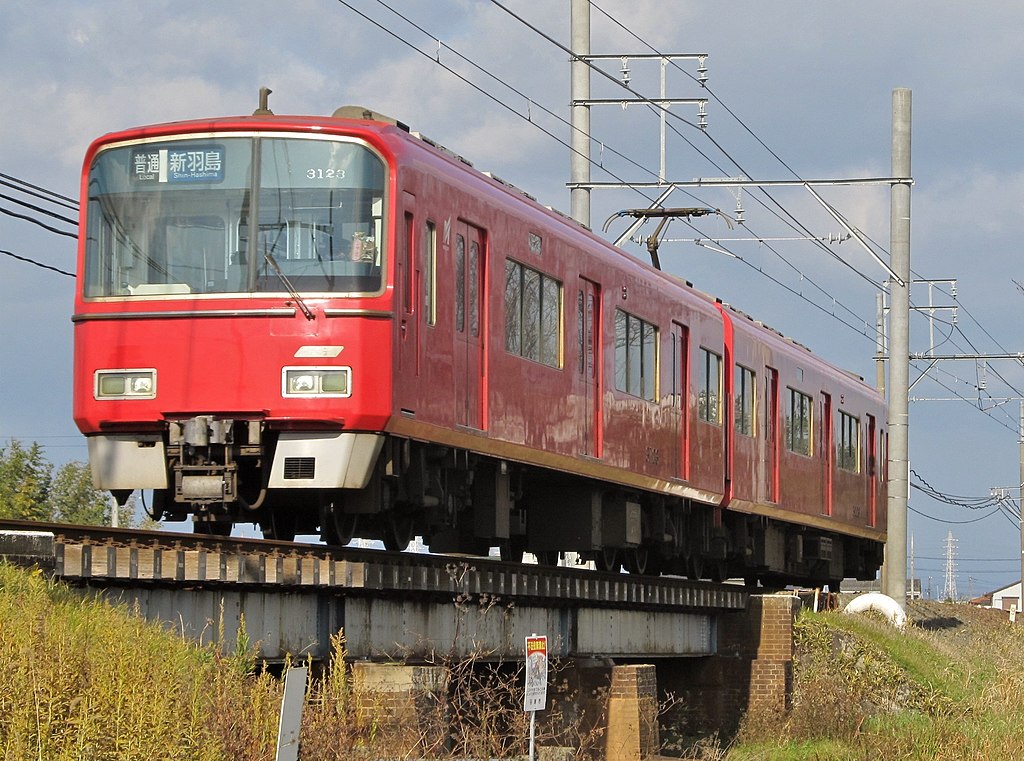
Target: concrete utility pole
(1020, 507)
(895, 574)
(579, 196)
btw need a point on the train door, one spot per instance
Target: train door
(469, 328)
(588, 318)
(827, 455)
(679, 358)
(872, 472)
(772, 432)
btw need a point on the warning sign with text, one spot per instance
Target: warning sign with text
(536, 696)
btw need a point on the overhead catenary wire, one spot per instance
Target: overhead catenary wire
(711, 92)
(650, 102)
(475, 86)
(714, 95)
(788, 168)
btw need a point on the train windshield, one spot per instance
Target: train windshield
(223, 215)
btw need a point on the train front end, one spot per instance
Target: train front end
(232, 317)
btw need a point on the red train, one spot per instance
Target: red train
(336, 326)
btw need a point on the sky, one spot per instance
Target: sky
(795, 90)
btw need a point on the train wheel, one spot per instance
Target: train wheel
(337, 527)
(280, 526)
(159, 501)
(607, 559)
(511, 550)
(212, 528)
(638, 561)
(694, 567)
(398, 532)
(548, 558)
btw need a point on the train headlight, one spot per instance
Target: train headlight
(316, 382)
(125, 384)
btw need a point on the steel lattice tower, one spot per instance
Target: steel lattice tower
(949, 588)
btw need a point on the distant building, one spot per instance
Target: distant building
(1000, 599)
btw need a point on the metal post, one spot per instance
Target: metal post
(899, 350)
(533, 734)
(579, 198)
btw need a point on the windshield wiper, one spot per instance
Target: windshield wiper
(291, 288)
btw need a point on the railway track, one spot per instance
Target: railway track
(104, 556)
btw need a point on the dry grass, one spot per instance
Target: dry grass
(83, 679)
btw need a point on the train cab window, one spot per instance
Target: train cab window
(636, 356)
(743, 385)
(533, 314)
(849, 442)
(430, 276)
(798, 423)
(183, 215)
(709, 399)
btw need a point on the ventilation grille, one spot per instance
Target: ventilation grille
(299, 467)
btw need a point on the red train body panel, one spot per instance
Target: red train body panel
(334, 325)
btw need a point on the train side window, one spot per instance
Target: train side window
(744, 400)
(460, 284)
(798, 423)
(533, 314)
(430, 280)
(474, 288)
(409, 256)
(849, 442)
(636, 356)
(581, 333)
(709, 400)
(680, 341)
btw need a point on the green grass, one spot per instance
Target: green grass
(865, 690)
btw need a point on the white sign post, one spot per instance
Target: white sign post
(291, 714)
(535, 697)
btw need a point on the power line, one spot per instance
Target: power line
(35, 221)
(774, 155)
(40, 209)
(596, 164)
(37, 264)
(51, 195)
(477, 87)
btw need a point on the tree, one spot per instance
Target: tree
(29, 490)
(73, 498)
(25, 477)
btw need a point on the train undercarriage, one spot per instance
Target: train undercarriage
(223, 472)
